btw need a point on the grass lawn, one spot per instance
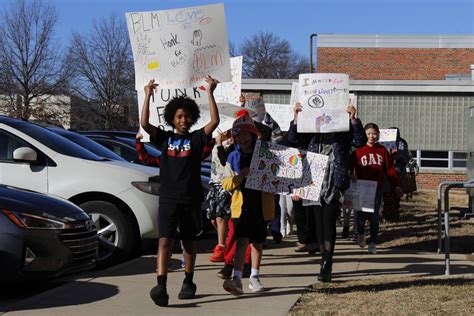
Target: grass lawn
(417, 295)
(389, 296)
(417, 228)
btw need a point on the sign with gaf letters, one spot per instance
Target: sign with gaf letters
(178, 48)
(324, 99)
(280, 169)
(361, 196)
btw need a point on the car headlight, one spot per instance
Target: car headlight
(29, 221)
(147, 187)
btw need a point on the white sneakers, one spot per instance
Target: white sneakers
(255, 285)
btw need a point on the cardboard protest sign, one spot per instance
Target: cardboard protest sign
(353, 99)
(229, 92)
(285, 170)
(294, 94)
(281, 113)
(324, 98)
(388, 138)
(256, 106)
(361, 196)
(178, 48)
(162, 97)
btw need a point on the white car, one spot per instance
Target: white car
(119, 196)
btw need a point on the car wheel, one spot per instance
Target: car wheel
(114, 234)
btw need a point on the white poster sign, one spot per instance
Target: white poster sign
(281, 113)
(178, 48)
(388, 135)
(361, 196)
(162, 97)
(256, 107)
(294, 93)
(324, 98)
(229, 92)
(353, 99)
(285, 170)
(388, 138)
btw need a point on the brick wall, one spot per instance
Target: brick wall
(395, 63)
(430, 180)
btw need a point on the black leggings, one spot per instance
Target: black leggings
(326, 217)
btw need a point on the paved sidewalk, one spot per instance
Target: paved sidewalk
(285, 274)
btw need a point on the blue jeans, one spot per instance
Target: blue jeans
(373, 218)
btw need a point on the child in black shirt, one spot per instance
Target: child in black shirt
(181, 191)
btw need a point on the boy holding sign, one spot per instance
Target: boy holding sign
(372, 162)
(181, 193)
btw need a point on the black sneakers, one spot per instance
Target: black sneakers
(188, 291)
(226, 272)
(159, 296)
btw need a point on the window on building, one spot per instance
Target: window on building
(440, 159)
(434, 159)
(459, 159)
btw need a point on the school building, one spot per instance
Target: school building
(423, 85)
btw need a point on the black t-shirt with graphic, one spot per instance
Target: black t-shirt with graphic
(180, 168)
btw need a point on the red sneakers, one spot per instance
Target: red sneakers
(218, 255)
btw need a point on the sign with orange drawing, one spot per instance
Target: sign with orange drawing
(178, 48)
(284, 170)
(324, 98)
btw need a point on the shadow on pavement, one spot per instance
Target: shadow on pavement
(89, 292)
(274, 291)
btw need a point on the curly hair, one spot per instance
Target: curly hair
(184, 103)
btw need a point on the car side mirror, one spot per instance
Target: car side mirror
(25, 154)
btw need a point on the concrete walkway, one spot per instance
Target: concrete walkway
(123, 289)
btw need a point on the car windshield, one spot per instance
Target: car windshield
(88, 144)
(54, 141)
(149, 148)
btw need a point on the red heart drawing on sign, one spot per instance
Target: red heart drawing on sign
(202, 88)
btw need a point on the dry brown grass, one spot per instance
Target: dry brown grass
(389, 296)
(417, 295)
(417, 228)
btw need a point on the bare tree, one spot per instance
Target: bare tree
(268, 56)
(104, 69)
(232, 50)
(31, 66)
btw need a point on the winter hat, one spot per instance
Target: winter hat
(243, 123)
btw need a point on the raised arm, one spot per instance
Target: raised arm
(212, 125)
(145, 119)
